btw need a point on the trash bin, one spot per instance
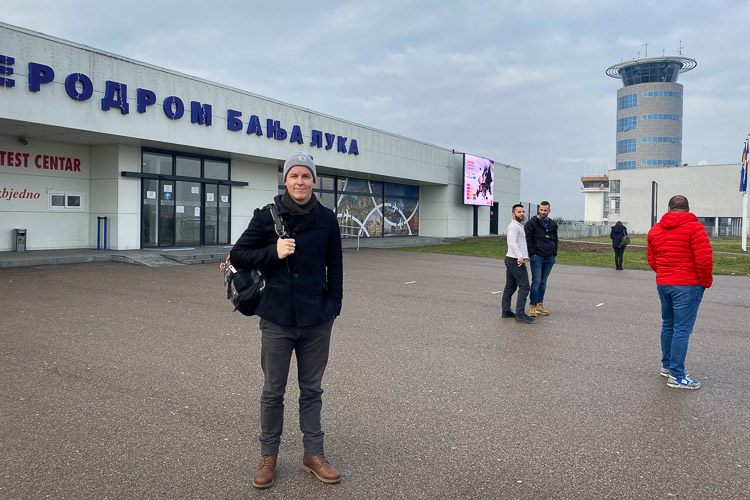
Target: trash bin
(20, 240)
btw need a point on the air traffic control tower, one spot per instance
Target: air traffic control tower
(649, 111)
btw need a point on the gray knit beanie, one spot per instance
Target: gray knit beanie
(300, 159)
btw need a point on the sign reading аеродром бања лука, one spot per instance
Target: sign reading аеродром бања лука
(80, 87)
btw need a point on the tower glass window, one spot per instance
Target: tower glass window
(627, 101)
(627, 123)
(626, 146)
(652, 72)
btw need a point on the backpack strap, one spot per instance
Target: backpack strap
(278, 224)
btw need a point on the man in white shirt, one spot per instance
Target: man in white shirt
(516, 272)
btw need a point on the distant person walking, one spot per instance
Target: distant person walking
(680, 253)
(616, 235)
(541, 240)
(516, 274)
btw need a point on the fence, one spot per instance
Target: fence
(578, 229)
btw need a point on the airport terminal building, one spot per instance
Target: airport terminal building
(97, 150)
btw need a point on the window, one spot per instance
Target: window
(66, 201)
(368, 208)
(627, 123)
(614, 186)
(661, 93)
(625, 165)
(661, 163)
(653, 72)
(626, 146)
(675, 140)
(605, 210)
(662, 117)
(615, 205)
(627, 101)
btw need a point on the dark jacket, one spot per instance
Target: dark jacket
(541, 242)
(616, 234)
(306, 288)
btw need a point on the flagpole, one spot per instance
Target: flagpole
(743, 189)
(744, 222)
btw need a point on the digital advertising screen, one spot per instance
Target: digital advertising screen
(479, 182)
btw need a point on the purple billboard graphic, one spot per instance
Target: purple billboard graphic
(478, 180)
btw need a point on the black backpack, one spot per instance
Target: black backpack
(245, 286)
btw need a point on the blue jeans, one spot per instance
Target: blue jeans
(679, 308)
(540, 269)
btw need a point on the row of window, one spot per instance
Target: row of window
(631, 100)
(631, 122)
(368, 208)
(675, 140)
(654, 72)
(168, 164)
(662, 117)
(662, 93)
(663, 163)
(625, 165)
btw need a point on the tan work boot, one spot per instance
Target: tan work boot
(266, 471)
(532, 310)
(318, 465)
(541, 310)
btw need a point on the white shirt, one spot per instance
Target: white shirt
(516, 241)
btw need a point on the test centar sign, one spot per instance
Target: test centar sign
(80, 87)
(43, 162)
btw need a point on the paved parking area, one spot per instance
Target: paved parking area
(122, 381)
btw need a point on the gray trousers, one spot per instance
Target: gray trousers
(310, 345)
(515, 277)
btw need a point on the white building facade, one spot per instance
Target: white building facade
(712, 190)
(91, 141)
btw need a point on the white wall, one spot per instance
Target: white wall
(712, 191)
(46, 228)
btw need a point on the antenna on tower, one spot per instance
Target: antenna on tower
(646, 45)
(681, 47)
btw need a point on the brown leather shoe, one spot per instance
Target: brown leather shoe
(318, 465)
(541, 310)
(266, 471)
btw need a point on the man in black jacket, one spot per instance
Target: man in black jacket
(541, 240)
(302, 297)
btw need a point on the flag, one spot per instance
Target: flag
(744, 166)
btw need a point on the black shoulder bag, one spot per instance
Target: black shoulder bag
(245, 286)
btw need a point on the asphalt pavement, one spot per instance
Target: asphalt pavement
(124, 381)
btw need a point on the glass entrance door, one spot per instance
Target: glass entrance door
(211, 226)
(165, 235)
(188, 213)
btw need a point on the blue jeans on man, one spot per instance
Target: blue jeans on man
(679, 308)
(540, 269)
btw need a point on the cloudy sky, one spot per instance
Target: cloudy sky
(521, 81)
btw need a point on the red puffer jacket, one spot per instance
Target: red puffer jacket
(679, 251)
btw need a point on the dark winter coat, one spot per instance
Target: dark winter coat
(541, 242)
(680, 252)
(616, 234)
(306, 288)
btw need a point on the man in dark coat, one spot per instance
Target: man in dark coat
(302, 297)
(616, 234)
(541, 240)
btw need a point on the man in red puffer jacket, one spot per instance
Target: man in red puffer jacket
(680, 253)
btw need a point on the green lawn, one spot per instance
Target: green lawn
(718, 244)
(495, 247)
